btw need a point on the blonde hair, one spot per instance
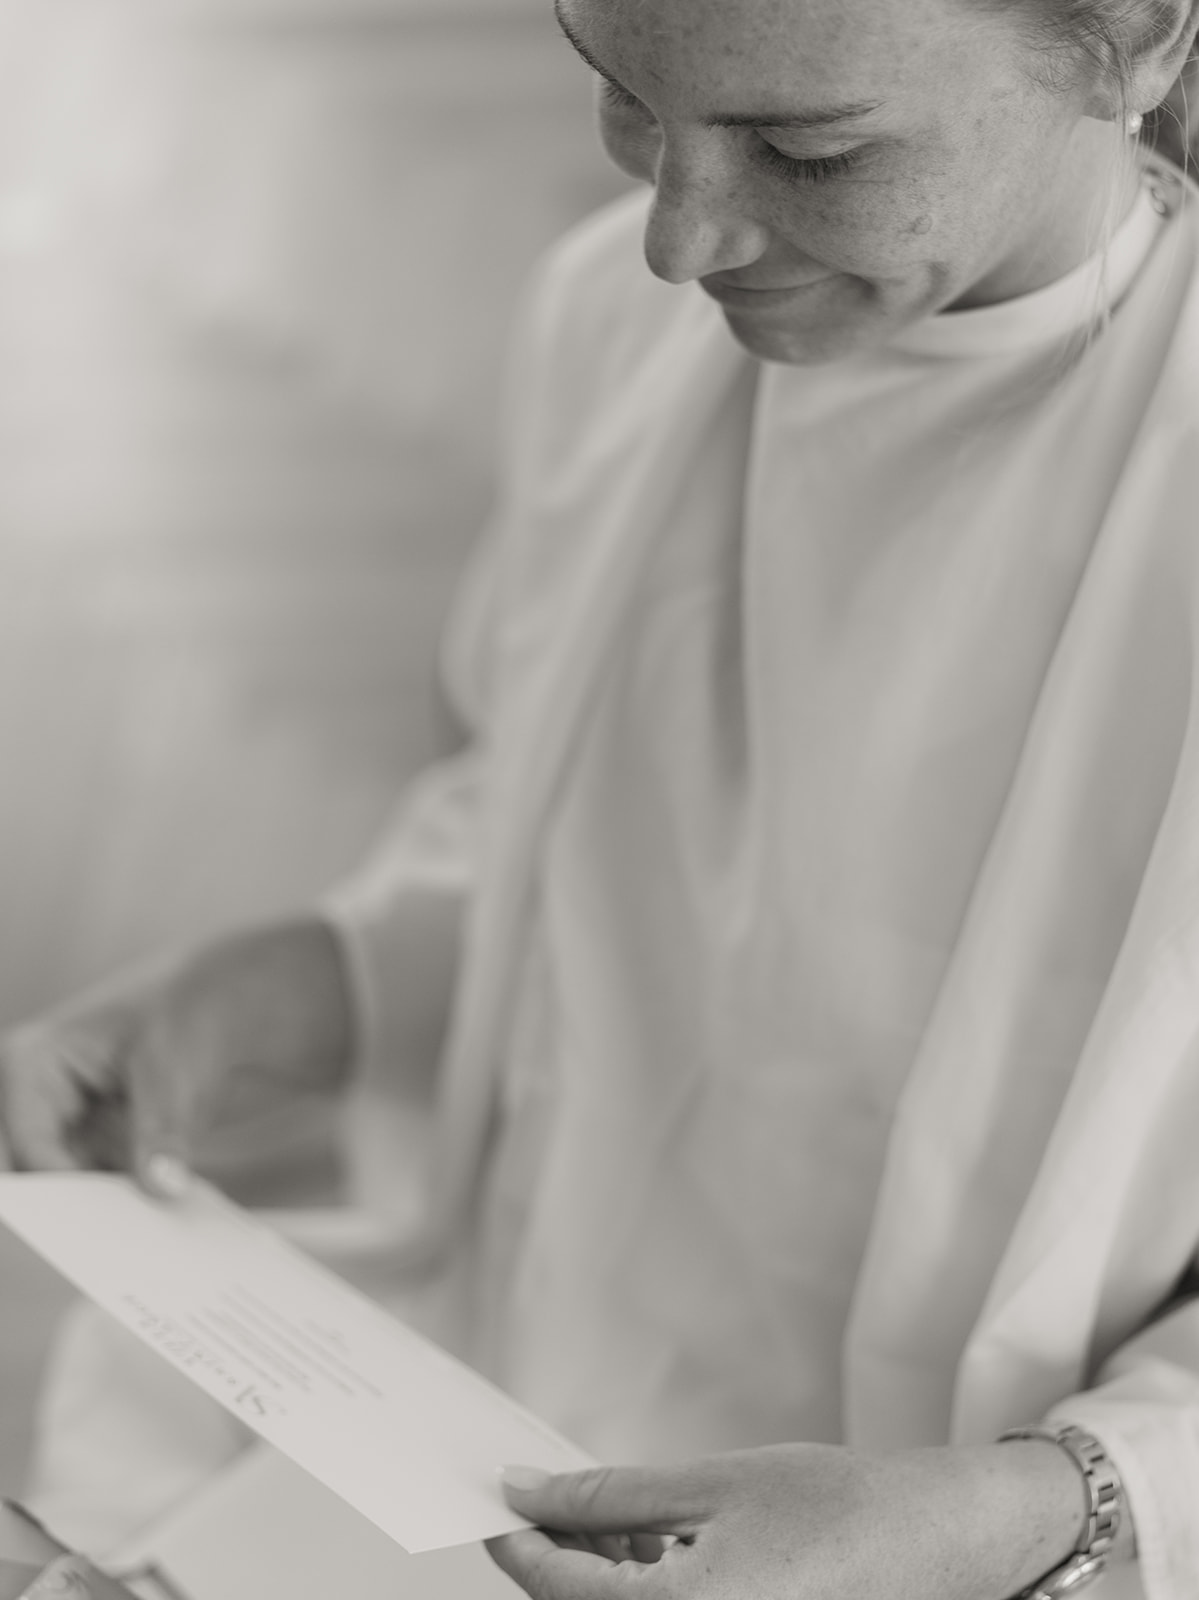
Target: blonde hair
(1173, 127)
(1109, 35)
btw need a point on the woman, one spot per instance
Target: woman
(821, 1062)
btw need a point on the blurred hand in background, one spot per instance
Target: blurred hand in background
(129, 1075)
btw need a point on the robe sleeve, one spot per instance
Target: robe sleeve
(1143, 1402)
(398, 918)
(1144, 1408)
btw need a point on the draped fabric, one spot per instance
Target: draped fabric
(823, 1061)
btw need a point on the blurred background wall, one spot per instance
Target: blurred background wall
(257, 259)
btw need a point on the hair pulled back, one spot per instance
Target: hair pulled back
(1108, 34)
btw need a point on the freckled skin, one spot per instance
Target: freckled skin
(973, 184)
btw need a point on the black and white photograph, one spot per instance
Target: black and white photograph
(599, 799)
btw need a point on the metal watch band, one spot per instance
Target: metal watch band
(1065, 1580)
(1105, 1495)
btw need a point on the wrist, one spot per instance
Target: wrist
(1036, 1511)
(1107, 1534)
(277, 1001)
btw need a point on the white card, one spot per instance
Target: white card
(408, 1436)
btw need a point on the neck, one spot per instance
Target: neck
(1083, 204)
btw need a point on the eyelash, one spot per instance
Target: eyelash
(802, 169)
(808, 169)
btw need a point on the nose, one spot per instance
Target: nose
(697, 223)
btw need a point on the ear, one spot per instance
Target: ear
(1161, 52)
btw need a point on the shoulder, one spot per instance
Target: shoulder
(601, 351)
(603, 248)
(594, 310)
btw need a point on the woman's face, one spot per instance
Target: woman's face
(830, 170)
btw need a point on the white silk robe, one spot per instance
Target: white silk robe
(1033, 582)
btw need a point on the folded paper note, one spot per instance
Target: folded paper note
(400, 1430)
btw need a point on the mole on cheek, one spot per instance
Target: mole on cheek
(921, 225)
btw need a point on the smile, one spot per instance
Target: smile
(742, 299)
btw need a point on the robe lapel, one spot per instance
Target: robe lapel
(1034, 1339)
(989, 1245)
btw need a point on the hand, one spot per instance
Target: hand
(34, 1563)
(800, 1522)
(126, 1075)
(73, 1577)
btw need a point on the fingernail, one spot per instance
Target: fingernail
(167, 1177)
(525, 1480)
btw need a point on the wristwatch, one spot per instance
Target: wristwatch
(1106, 1496)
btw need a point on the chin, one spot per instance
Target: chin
(807, 344)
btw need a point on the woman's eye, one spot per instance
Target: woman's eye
(801, 169)
(620, 99)
(806, 169)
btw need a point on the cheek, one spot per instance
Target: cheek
(853, 226)
(870, 228)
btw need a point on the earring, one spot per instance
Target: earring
(1134, 123)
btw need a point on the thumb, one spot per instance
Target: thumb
(664, 1500)
(159, 1119)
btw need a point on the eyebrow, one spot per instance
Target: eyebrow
(828, 117)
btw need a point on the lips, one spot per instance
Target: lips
(749, 298)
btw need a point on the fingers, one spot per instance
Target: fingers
(614, 1547)
(66, 1578)
(643, 1500)
(645, 1548)
(100, 1087)
(43, 1099)
(546, 1571)
(160, 1111)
